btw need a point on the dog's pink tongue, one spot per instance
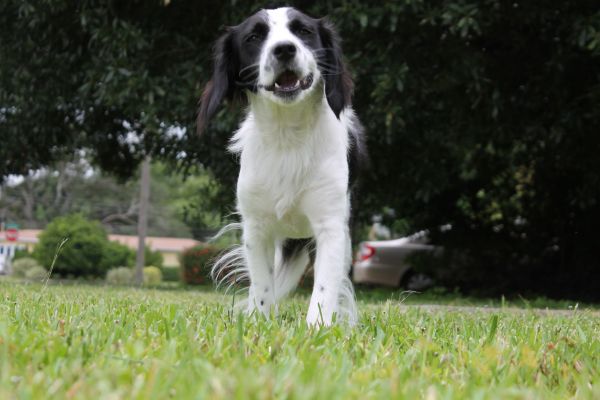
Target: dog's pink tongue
(287, 79)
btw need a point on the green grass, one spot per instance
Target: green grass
(92, 342)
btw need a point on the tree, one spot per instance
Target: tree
(482, 115)
(179, 206)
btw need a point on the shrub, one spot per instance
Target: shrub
(36, 273)
(171, 274)
(117, 255)
(84, 252)
(153, 258)
(21, 266)
(195, 264)
(21, 253)
(120, 276)
(152, 276)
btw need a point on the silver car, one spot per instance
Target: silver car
(383, 262)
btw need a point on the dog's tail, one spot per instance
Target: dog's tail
(229, 270)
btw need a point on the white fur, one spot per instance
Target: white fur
(293, 183)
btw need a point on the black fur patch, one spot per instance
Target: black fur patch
(358, 158)
(338, 82)
(293, 247)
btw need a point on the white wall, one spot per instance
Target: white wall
(7, 252)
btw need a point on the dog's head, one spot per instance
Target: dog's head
(282, 55)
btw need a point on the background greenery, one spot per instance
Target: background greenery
(480, 114)
(76, 247)
(196, 263)
(178, 207)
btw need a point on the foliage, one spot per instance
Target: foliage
(64, 187)
(116, 254)
(87, 251)
(21, 253)
(480, 114)
(195, 264)
(152, 276)
(197, 201)
(461, 135)
(36, 273)
(21, 266)
(417, 353)
(120, 276)
(153, 257)
(171, 274)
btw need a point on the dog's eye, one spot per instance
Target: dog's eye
(304, 31)
(253, 37)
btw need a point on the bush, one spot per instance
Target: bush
(195, 264)
(153, 258)
(171, 274)
(117, 255)
(21, 266)
(152, 276)
(120, 276)
(82, 255)
(36, 273)
(21, 253)
(88, 252)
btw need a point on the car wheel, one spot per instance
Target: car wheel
(416, 281)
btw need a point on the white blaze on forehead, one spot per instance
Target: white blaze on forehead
(278, 27)
(279, 32)
(278, 17)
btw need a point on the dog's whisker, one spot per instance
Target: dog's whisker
(251, 83)
(248, 75)
(323, 49)
(329, 67)
(256, 65)
(246, 78)
(331, 72)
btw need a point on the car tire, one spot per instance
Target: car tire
(416, 281)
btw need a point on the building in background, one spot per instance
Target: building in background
(169, 247)
(11, 241)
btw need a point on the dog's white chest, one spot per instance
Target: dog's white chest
(274, 183)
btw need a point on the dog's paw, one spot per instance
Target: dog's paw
(264, 305)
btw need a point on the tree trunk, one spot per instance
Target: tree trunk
(142, 221)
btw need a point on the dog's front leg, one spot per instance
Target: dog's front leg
(331, 270)
(259, 250)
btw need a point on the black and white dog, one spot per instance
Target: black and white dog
(296, 144)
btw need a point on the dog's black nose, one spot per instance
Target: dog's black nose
(284, 51)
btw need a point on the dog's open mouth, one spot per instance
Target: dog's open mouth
(288, 82)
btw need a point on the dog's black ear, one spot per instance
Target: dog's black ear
(222, 84)
(338, 82)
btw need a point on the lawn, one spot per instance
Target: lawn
(93, 342)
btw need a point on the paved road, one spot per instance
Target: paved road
(479, 309)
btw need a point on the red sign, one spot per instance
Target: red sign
(12, 234)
